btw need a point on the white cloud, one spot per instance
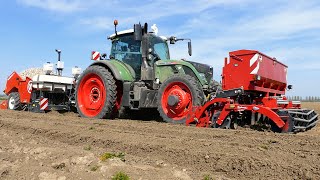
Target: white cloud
(268, 29)
(154, 10)
(64, 6)
(97, 22)
(283, 23)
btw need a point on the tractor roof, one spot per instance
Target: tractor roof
(128, 31)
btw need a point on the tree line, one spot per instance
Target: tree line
(306, 98)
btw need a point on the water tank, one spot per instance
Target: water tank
(76, 71)
(48, 68)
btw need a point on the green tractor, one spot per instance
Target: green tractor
(140, 75)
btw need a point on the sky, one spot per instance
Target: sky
(31, 30)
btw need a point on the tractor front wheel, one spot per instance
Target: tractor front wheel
(177, 96)
(96, 93)
(14, 101)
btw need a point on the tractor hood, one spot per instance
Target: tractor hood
(204, 70)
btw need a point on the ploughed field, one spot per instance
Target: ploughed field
(65, 146)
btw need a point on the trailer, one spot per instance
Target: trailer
(261, 100)
(42, 92)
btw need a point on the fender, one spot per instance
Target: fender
(167, 73)
(119, 70)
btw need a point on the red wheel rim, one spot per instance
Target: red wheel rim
(184, 105)
(91, 95)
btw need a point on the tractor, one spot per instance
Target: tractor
(140, 75)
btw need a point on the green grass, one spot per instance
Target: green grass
(108, 155)
(207, 177)
(87, 148)
(94, 168)
(264, 147)
(120, 176)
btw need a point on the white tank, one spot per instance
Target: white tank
(76, 71)
(52, 82)
(48, 68)
(60, 65)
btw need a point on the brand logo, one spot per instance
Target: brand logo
(29, 87)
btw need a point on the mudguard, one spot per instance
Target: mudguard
(164, 70)
(120, 70)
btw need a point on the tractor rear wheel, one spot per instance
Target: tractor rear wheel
(14, 101)
(96, 93)
(177, 96)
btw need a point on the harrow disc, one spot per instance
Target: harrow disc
(227, 123)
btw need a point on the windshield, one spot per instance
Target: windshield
(160, 47)
(125, 47)
(127, 50)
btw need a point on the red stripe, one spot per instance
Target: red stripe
(42, 104)
(96, 57)
(254, 65)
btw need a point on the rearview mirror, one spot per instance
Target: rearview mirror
(189, 48)
(137, 34)
(103, 56)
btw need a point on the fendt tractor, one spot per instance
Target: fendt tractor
(42, 91)
(140, 75)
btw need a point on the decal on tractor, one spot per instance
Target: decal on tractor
(29, 87)
(44, 102)
(95, 55)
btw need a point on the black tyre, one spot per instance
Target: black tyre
(227, 124)
(14, 101)
(177, 96)
(96, 93)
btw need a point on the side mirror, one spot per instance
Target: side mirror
(103, 56)
(137, 34)
(289, 87)
(189, 48)
(172, 40)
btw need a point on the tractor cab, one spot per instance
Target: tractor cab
(128, 50)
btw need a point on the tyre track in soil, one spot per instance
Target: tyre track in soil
(239, 154)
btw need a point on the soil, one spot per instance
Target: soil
(65, 146)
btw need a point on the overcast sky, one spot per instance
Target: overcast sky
(288, 30)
